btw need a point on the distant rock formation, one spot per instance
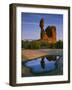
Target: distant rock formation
(49, 34)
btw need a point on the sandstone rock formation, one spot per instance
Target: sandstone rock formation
(49, 34)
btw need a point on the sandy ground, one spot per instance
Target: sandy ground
(32, 54)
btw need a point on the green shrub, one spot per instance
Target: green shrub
(41, 45)
(35, 45)
(59, 44)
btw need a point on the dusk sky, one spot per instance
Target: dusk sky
(30, 25)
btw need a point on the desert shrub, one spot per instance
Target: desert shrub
(59, 44)
(42, 45)
(26, 45)
(35, 45)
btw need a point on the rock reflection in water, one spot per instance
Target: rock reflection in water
(49, 58)
(42, 63)
(48, 65)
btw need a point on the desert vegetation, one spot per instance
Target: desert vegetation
(41, 45)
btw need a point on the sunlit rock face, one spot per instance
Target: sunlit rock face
(49, 34)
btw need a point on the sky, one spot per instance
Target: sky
(30, 29)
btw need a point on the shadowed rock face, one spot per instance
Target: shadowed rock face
(49, 34)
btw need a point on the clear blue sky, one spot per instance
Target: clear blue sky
(30, 25)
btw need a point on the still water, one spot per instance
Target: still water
(48, 65)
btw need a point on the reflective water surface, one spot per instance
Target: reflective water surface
(48, 65)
